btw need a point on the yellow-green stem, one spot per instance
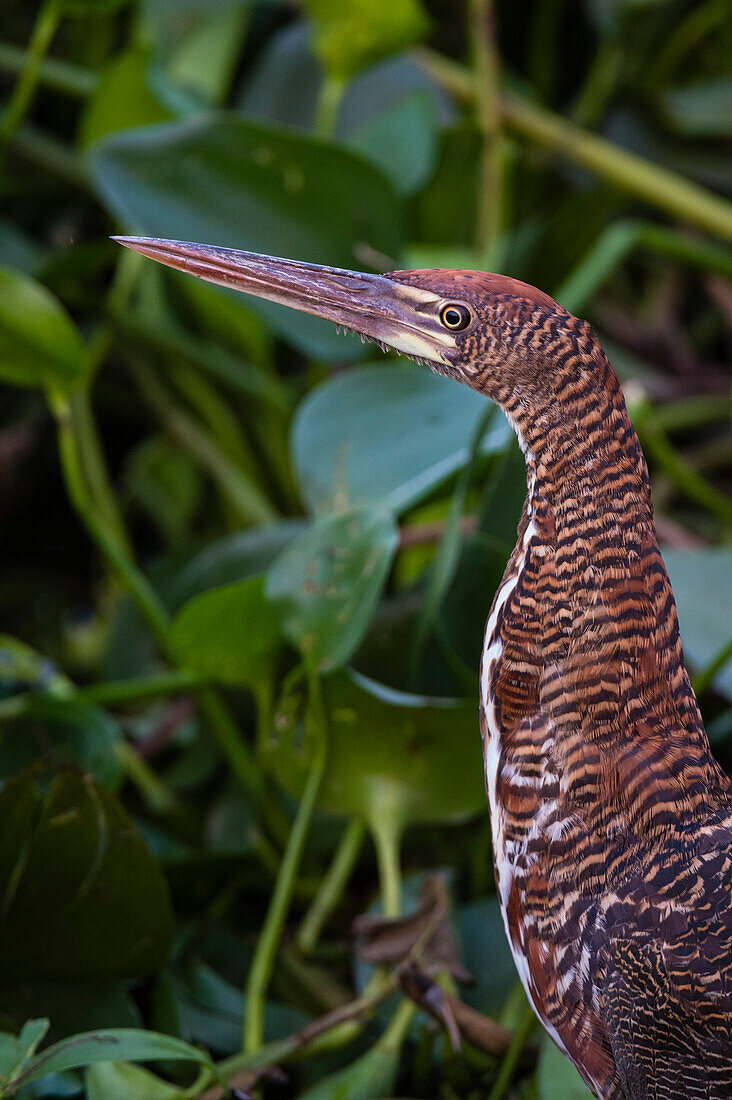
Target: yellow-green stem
(659, 187)
(269, 938)
(488, 108)
(332, 886)
(326, 116)
(387, 835)
(20, 101)
(508, 1066)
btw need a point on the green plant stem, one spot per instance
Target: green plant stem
(599, 84)
(248, 379)
(510, 1061)
(622, 238)
(115, 693)
(147, 602)
(50, 155)
(700, 21)
(446, 557)
(140, 589)
(326, 114)
(60, 76)
(274, 923)
(95, 468)
(659, 187)
(386, 837)
(486, 68)
(332, 887)
(657, 444)
(43, 31)
(249, 502)
(703, 679)
(158, 797)
(396, 1033)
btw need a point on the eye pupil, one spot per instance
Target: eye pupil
(455, 317)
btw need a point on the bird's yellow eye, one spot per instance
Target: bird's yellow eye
(455, 317)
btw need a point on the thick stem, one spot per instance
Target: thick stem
(332, 886)
(60, 76)
(508, 1066)
(326, 116)
(138, 586)
(95, 468)
(657, 444)
(487, 99)
(116, 693)
(249, 502)
(703, 679)
(20, 101)
(146, 599)
(657, 186)
(159, 798)
(266, 950)
(386, 835)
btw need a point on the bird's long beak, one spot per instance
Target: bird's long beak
(384, 310)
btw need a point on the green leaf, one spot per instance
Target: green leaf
(373, 1074)
(233, 558)
(390, 753)
(462, 615)
(166, 483)
(699, 578)
(211, 1011)
(225, 180)
(703, 109)
(203, 63)
(348, 37)
(123, 99)
(66, 731)
(115, 1044)
(15, 1052)
(228, 634)
(401, 141)
(385, 434)
(324, 585)
(482, 937)
(67, 861)
(39, 344)
(557, 1077)
(126, 1082)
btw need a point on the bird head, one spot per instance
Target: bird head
(500, 336)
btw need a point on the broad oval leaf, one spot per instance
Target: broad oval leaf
(123, 99)
(229, 634)
(224, 180)
(385, 434)
(111, 1044)
(389, 753)
(67, 862)
(39, 344)
(698, 577)
(373, 1074)
(401, 141)
(232, 558)
(324, 585)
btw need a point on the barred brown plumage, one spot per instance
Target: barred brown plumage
(612, 822)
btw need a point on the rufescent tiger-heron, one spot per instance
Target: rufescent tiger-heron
(611, 820)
